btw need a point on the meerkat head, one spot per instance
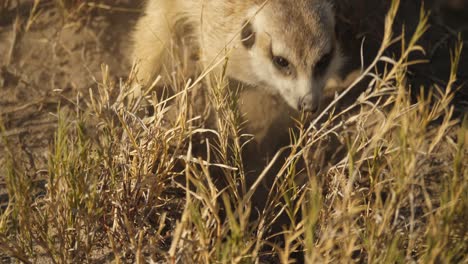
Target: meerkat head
(290, 48)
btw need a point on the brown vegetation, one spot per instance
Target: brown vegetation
(86, 177)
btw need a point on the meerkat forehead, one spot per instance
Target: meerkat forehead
(303, 29)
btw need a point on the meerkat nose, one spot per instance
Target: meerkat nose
(308, 104)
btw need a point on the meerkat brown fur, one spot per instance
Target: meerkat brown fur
(284, 47)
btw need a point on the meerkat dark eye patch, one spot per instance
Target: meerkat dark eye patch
(322, 65)
(248, 36)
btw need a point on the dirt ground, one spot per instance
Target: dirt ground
(50, 59)
(51, 63)
(360, 24)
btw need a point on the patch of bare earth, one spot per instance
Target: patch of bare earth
(49, 59)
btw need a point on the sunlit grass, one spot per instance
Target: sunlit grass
(133, 188)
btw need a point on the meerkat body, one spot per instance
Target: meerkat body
(286, 48)
(282, 50)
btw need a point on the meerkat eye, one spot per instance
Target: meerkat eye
(322, 65)
(280, 62)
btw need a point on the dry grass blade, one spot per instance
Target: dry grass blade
(383, 179)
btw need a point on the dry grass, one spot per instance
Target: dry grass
(398, 194)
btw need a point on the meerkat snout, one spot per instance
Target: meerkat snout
(308, 104)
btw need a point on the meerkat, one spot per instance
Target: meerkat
(284, 48)
(284, 51)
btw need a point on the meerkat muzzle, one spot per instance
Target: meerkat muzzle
(308, 103)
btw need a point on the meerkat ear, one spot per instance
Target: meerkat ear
(248, 35)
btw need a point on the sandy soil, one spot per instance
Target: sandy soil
(52, 63)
